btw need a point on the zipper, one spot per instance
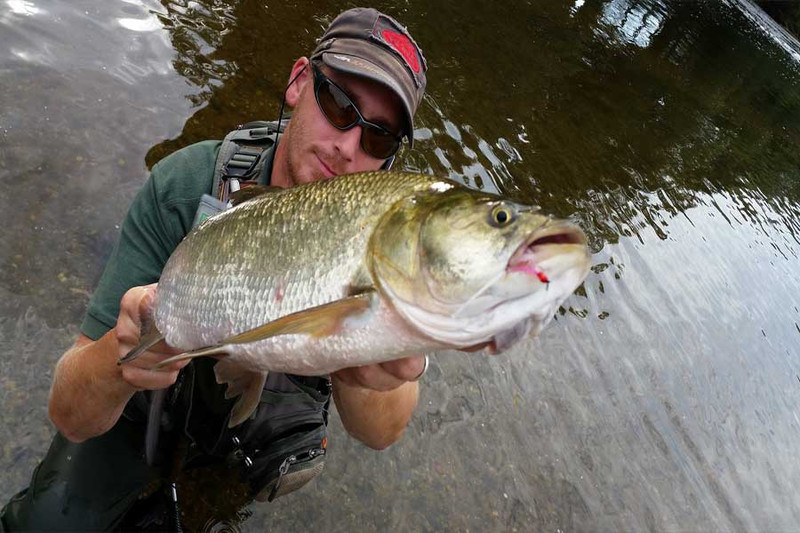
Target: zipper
(288, 462)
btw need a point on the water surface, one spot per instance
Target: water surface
(663, 396)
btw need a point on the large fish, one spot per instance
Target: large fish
(357, 270)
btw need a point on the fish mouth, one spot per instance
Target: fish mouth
(542, 245)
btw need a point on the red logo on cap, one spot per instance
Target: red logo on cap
(403, 45)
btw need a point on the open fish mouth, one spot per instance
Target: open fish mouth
(543, 245)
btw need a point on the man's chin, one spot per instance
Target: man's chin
(307, 175)
(311, 177)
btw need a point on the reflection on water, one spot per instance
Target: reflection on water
(664, 394)
(23, 7)
(635, 22)
(772, 29)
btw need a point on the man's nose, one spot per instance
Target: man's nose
(349, 142)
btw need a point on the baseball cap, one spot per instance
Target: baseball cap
(367, 43)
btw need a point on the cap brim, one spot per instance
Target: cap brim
(346, 57)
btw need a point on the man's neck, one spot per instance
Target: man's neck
(280, 170)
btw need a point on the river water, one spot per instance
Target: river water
(665, 394)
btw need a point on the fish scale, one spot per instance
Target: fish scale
(363, 269)
(222, 281)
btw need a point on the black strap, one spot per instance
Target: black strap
(241, 155)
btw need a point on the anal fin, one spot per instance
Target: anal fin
(242, 383)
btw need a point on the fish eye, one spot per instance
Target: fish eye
(501, 215)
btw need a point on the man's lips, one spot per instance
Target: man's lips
(326, 170)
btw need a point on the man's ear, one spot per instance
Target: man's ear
(302, 71)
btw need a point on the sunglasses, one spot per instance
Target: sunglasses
(343, 115)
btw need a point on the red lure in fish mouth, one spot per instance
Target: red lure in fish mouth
(524, 259)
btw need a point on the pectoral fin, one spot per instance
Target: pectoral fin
(215, 351)
(506, 339)
(246, 385)
(149, 338)
(320, 321)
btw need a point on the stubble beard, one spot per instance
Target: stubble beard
(291, 149)
(298, 148)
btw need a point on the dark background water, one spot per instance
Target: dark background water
(664, 396)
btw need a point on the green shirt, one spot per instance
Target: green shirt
(159, 218)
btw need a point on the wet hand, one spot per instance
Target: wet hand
(384, 376)
(137, 306)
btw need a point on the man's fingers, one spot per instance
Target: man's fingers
(384, 376)
(144, 379)
(135, 302)
(479, 347)
(174, 366)
(149, 359)
(128, 340)
(372, 377)
(406, 369)
(136, 308)
(376, 378)
(162, 348)
(146, 304)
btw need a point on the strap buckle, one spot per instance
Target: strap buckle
(243, 162)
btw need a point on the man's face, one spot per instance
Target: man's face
(316, 149)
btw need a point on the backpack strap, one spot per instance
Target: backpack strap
(242, 155)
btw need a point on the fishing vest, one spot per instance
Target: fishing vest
(244, 159)
(283, 444)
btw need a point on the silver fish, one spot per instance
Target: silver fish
(361, 269)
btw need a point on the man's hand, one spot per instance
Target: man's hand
(137, 307)
(90, 389)
(384, 376)
(375, 402)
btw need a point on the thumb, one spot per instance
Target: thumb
(147, 305)
(136, 304)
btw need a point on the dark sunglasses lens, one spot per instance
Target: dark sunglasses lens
(337, 106)
(378, 142)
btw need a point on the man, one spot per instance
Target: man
(353, 101)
